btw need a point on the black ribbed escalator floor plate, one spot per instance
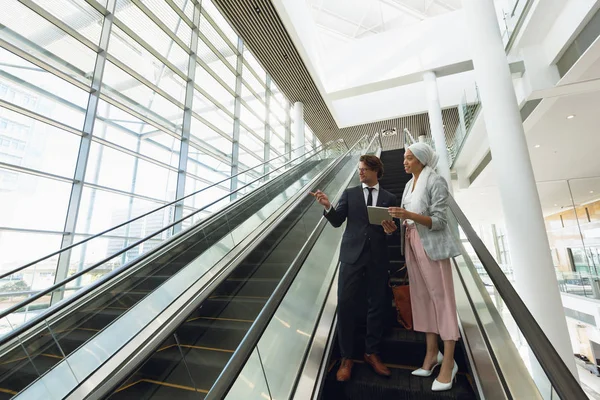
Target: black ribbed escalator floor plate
(145, 389)
(367, 385)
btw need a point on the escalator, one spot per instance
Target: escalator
(187, 364)
(290, 350)
(30, 354)
(402, 351)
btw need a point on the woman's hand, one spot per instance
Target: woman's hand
(389, 227)
(401, 213)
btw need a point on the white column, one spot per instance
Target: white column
(422, 138)
(298, 127)
(437, 125)
(535, 279)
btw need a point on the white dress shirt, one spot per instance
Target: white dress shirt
(375, 193)
(366, 194)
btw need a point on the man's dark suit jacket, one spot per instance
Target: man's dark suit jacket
(352, 207)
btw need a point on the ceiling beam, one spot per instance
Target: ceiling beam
(334, 15)
(406, 9)
(445, 5)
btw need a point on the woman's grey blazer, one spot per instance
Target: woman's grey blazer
(438, 241)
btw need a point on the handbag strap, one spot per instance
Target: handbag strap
(404, 280)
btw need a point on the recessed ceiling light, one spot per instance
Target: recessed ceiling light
(570, 116)
(591, 191)
(556, 205)
(537, 146)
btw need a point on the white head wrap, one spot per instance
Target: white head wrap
(429, 158)
(425, 154)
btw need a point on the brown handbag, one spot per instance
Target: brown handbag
(401, 291)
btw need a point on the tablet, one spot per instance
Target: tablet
(378, 214)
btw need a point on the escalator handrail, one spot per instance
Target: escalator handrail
(57, 252)
(59, 306)
(235, 364)
(559, 375)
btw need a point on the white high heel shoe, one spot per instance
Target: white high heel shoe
(440, 387)
(428, 372)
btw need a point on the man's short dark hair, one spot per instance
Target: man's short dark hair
(374, 163)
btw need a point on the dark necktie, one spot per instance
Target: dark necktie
(370, 198)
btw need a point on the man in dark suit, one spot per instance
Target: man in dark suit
(364, 258)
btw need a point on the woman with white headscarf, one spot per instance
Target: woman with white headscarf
(428, 245)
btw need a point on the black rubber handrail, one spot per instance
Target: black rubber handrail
(19, 269)
(235, 364)
(561, 379)
(59, 306)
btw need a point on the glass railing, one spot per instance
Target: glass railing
(84, 361)
(511, 15)
(526, 362)
(25, 292)
(269, 371)
(579, 284)
(525, 356)
(468, 110)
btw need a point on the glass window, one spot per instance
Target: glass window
(130, 15)
(214, 88)
(130, 92)
(33, 33)
(225, 49)
(114, 169)
(33, 202)
(220, 21)
(41, 92)
(143, 62)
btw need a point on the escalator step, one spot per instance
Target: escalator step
(367, 385)
(260, 270)
(145, 388)
(253, 287)
(227, 308)
(205, 365)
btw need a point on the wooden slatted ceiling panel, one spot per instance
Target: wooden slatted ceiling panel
(259, 25)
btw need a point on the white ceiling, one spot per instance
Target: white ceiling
(341, 21)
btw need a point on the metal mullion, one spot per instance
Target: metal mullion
(134, 36)
(38, 117)
(207, 181)
(84, 150)
(143, 80)
(210, 125)
(252, 131)
(209, 150)
(140, 116)
(182, 15)
(250, 152)
(30, 171)
(220, 32)
(288, 130)
(98, 7)
(277, 134)
(161, 25)
(25, 230)
(212, 73)
(235, 142)
(215, 102)
(133, 153)
(251, 110)
(40, 91)
(123, 193)
(253, 72)
(252, 92)
(267, 138)
(182, 172)
(216, 52)
(61, 25)
(45, 66)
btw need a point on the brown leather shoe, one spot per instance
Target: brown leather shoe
(345, 370)
(374, 361)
